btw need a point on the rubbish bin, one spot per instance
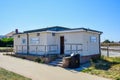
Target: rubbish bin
(74, 61)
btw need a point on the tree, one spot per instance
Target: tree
(106, 41)
(6, 42)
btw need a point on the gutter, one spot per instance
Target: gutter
(27, 43)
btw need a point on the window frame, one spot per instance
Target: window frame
(93, 39)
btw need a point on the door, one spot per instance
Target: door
(62, 45)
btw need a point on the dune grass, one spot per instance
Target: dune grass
(108, 67)
(8, 75)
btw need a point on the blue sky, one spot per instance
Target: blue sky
(103, 15)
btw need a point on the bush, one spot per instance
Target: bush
(23, 57)
(38, 60)
(118, 78)
(6, 42)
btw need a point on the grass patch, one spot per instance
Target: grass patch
(38, 60)
(7, 75)
(6, 49)
(108, 67)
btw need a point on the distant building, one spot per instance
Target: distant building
(10, 35)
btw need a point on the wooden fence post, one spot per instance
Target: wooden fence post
(108, 50)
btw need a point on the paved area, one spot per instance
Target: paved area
(37, 71)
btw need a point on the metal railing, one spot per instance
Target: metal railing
(73, 48)
(37, 49)
(20, 49)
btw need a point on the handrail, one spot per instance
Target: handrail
(76, 48)
(37, 48)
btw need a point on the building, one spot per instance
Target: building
(58, 40)
(10, 34)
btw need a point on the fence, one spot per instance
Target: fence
(110, 51)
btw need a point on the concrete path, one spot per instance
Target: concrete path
(37, 71)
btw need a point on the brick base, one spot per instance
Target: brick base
(85, 59)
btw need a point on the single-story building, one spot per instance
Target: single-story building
(58, 40)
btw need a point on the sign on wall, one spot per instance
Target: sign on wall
(23, 41)
(34, 40)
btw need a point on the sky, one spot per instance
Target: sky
(101, 15)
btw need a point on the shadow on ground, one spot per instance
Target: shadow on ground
(82, 67)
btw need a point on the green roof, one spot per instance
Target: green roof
(55, 28)
(59, 28)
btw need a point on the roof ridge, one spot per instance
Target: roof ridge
(53, 28)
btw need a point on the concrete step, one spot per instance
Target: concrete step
(57, 62)
(53, 64)
(60, 65)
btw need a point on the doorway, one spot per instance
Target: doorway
(62, 45)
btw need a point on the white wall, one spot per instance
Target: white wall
(52, 40)
(32, 48)
(22, 48)
(39, 47)
(71, 38)
(88, 47)
(75, 38)
(46, 38)
(41, 37)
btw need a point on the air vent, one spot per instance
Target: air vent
(53, 34)
(18, 36)
(38, 34)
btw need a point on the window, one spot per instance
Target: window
(23, 41)
(93, 39)
(34, 40)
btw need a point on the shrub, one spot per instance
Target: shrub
(23, 57)
(118, 78)
(38, 60)
(6, 42)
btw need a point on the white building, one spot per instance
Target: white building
(58, 40)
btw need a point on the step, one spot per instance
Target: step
(60, 62)
(54, 64)
(60, 65)
(58, 59)
(57, 62)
